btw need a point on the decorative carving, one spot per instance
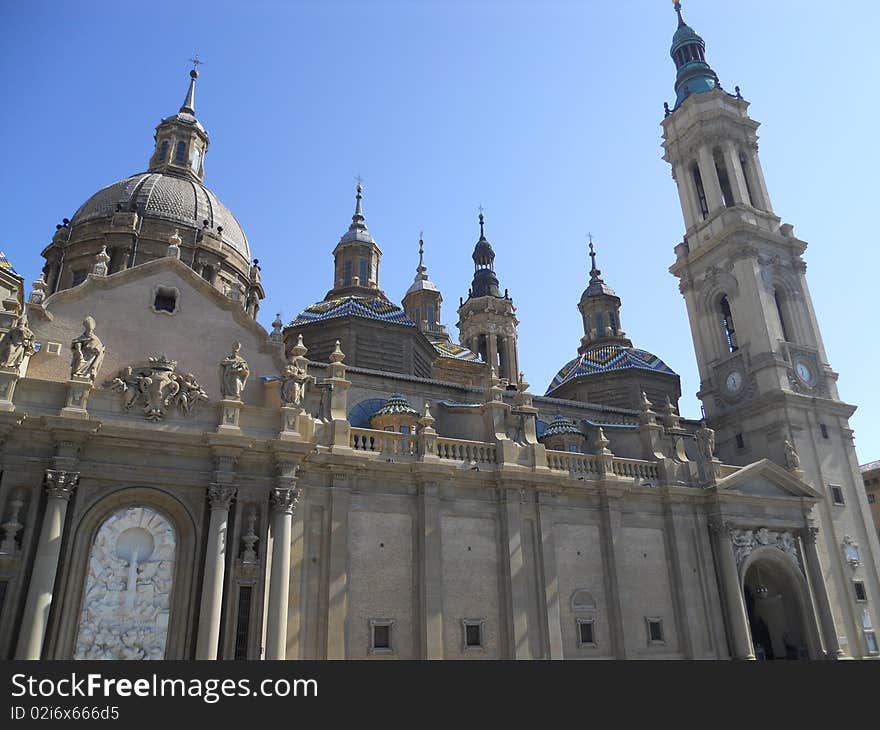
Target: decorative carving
(792, 460)
(234, 372)
(16, 344)
(12, 525)
(88, 352)
(249, 538)
(174, 245)
(745, 541)
(128, 588)
(38, 292)
(102, 259)
(851, 551)
(284, 499)
(61, 484)
(276, 335)
(705, 438)
(295, 376)
(157, 387)
(220, 496)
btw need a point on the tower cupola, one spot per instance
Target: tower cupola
(356, 257)
(485, 281)
(600, 309)
(181, 140)
(423, 299)
(695, 76)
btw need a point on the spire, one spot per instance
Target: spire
(597, 285)
(421, 268)
(485, 281)
(595, 273)
(189, 104)
(421, 282)
(695, 76)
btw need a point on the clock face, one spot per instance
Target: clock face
(734, 381)
(803, 372)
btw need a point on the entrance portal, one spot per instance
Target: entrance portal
(775, 616)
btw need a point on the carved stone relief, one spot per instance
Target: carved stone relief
(127, 598)
(745, 541)
(156, 388)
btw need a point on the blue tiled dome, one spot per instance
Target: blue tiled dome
(561, 425)
(606, 359)
(353, 306)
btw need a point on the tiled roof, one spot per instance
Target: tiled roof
(353, 306)
(447, 348)
(4, 264)
(606, 359)
(561, 425)
(396, 404)
(870, 466)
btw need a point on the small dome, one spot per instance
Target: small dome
(685, 34)
(396, 405)
(179, 200)
(561, 425)
(353, 306)
(608, 358)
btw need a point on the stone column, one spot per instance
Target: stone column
(689, 208)
(820, 593)
(735, 174)
(492, 351)
(430, 572)
(735, 609)
(759, 189)
(612, 544)
(709, 175)
(551, 579)
(220, 497)
(337, 610)
(283, 499)
(59, 488)
(515, 576)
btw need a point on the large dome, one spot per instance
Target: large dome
(608, 358)
(180, 200)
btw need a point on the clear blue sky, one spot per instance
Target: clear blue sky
(546, 113)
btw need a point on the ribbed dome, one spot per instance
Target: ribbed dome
(608, 358)
(561, 426)
(180, 200)
(395, 405)
(353, 306)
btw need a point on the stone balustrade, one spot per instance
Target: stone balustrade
(635, 469)
(462, 450)
(384, 442)
(574, 463)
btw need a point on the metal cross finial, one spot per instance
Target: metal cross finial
(196, 62)
(677, 5)
(592, 253)
(359, 180)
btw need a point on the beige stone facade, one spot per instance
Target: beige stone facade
(357, 485)
(871, 480)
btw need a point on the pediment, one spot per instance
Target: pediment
(767, 479)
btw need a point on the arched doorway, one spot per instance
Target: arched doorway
(775, 610)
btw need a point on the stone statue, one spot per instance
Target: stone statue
(190, 393)
(792, 460)
(705, 437)
(294, 380)
(16, 344)
(234, 373)
(88, 352)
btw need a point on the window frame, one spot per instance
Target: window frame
(835, 491)
(382, 623)
(655, 621)
(480, 624)
(859, 586)
(586, 621)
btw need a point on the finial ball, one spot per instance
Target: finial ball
(194, 74)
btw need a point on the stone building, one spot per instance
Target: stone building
(871, 480)
(357, 484)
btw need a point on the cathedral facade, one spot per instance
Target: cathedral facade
(358, 483)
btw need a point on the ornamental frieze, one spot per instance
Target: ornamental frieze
(156, 389)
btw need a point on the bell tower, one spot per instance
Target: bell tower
(765, 377)
(487, 319)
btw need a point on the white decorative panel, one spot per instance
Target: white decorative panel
(128, 588)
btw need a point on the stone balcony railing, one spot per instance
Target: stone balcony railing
(573, 463)
(384, 442)
(462, 450)
(635, 468)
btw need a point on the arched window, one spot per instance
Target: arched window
(727, 325)
(723, 179)
(163, 151)
(346, 273)
(701, 191)
(600, 324)
(127, 597)
(194, 161)
(430, 314)
(418, 315)
(781, 313)
(180, 153)
(363, 268)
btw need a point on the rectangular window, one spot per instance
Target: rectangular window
(872, 498)
(242, 624)
(346, 273)
(837, 495)
(824, 430)
(586, 632)
(655, 631)
(740, 442)
(871, 641)
(380, 635)
(166, 300)
(473, 634)
(861, 594)
(363, 271)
